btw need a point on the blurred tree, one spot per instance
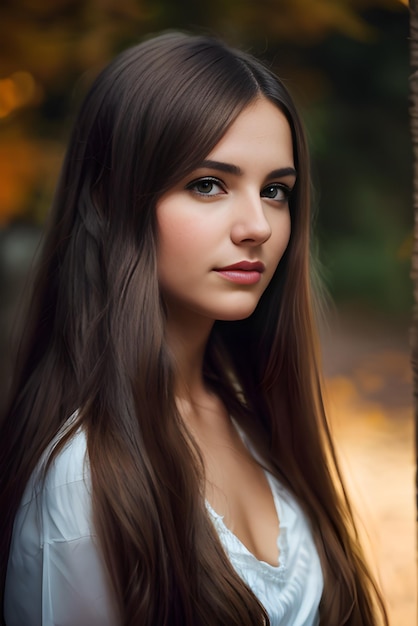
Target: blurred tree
(414, 136)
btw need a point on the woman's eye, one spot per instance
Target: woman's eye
(206, 187)
(277, 192)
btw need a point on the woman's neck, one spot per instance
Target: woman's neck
(187, 340)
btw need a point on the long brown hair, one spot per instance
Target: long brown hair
(94, 341)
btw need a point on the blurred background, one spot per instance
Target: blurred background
(346, 63)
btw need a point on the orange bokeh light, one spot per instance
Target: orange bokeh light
(16, 91)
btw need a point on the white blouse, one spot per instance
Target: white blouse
(56, 575)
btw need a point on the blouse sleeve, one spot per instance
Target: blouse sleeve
(56, 574)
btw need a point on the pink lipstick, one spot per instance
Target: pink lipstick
(242, 273)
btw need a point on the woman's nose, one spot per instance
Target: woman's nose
(250, 224)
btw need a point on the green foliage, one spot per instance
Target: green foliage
(359, 134)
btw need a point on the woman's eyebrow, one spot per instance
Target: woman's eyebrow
(229, 168)
(283, 171)
(222, 167)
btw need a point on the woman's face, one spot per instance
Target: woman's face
(223, 230)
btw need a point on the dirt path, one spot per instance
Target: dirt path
(369, 397)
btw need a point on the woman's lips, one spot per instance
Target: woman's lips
(242, 273)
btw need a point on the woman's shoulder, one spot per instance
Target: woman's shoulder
(57, 502)
(68, 466)
(55, 570)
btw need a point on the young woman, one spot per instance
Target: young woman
(165, 458)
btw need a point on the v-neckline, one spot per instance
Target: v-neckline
(280, 541)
